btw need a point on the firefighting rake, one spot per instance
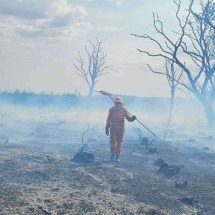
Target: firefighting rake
(111, 97)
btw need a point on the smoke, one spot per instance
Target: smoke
(58, 126)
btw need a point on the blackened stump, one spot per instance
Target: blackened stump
(144, 141)
(159, 162)
(181, 186)
(187, 200)
(169, 171)
(152, 150)
(84, 157)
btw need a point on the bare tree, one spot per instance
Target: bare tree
(193, 52)
(208, 14)
(92, 68)
(173, 80)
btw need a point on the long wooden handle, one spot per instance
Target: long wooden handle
(143, 125)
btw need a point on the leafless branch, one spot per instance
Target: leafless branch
(95, 65)
(192, 52)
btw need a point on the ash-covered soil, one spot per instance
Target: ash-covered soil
(37, 175)
(33, 181)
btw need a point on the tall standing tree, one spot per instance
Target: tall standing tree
(173, 79)
(193, 51)
(93, 66)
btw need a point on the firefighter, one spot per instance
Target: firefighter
(115, 125)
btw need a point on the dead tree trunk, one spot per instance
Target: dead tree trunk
(209, 112)
(171, 106)
(173, 81)
(91, 89)
(193, 52)
(93, 66)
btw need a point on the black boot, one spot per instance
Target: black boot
(117, 158)
(112, 157)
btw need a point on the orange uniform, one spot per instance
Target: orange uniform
(116, 123)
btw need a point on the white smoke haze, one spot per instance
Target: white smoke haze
(188, 119)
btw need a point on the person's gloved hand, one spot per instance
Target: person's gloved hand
(107, 131)
(133, 118)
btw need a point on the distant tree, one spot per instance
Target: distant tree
(193, 52)
(77, 93)
(173, 80)
(94, 66)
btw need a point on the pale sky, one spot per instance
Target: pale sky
(39, 40)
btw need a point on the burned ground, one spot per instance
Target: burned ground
(38, 176)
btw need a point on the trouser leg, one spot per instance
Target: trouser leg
(113, 148)
(119, 140)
